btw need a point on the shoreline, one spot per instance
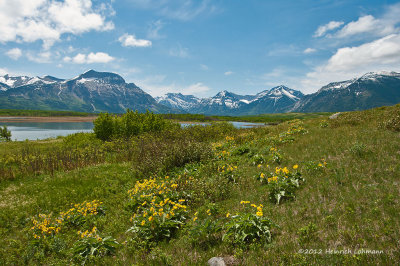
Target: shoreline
(47, 119)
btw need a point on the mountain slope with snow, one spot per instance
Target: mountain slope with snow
(277, 99)
(371, 90)
(90, 92)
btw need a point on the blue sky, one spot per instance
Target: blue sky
(201, 47)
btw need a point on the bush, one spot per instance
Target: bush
(247, 228)
(129, 124)
(5, 134)
(104, 126)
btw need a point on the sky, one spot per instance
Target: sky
(201, 47)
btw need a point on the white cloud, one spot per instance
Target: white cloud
(323, 29)
(156, 85)
(365, 26)
(368, 24)
(91, 58)
(204, 67)
(42, 57)
(47, 20)
(349, 62)
(309, 50)
(14, 53)
(177, 9)
(228, 73)
(154, 30)
(131, 41)
(179, 51)
(3, 71)
(197, 88)
(284, 50)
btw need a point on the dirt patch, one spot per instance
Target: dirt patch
(8, 199)
(48, 119)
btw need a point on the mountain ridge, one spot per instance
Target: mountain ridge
(94, 91)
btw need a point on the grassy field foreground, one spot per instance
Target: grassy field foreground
(317, 191)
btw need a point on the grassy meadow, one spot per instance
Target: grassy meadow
(305, 192)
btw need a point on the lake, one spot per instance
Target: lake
(44, 130)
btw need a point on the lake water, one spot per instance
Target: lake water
(44, 130)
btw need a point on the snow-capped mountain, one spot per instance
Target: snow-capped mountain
(90, 92)
(103, 91)
(373, 89)
(178, 101)
(277, 99)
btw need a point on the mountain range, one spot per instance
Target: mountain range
(104, 91)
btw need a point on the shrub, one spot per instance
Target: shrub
(5, 134)
(129, 124)
(282, 183)
(247, 228)
(104, 126)
(92, 245)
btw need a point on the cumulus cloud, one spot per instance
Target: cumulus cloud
(309, 50)
(349, 62)
(91, 58)
(368, 24)
(42, 57)
(14, 53)
(47, 20)
(323, 29)
(131, 41)
(365, 26)
(228, 73)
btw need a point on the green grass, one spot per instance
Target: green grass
(352, 203)
(262, 118)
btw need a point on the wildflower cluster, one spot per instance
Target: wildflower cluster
(316, 165)
(228, 171)
(275, 155)
(295, 128)
(248, 227)
(45, 225)
(77, 214)
(259, 208)
(282, 182)
(158, 210)
(222, 155)
(90, 234)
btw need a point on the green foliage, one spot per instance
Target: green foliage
(359, 149)
(104, 126)
(258, 159)
(307, 232)
(262, 118)
(205, 233)
(247, 228)
(282, 184)
(393, 123)
(89, 247)
(130, 124)
(336, 198)
(5, 134)
(243, 149)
